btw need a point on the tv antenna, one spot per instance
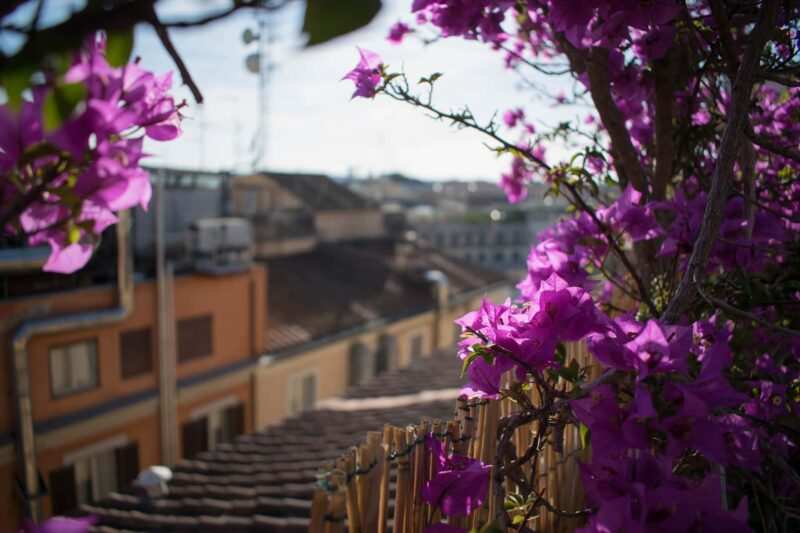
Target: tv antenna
(260, 63)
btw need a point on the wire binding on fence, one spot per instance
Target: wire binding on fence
(354, 494)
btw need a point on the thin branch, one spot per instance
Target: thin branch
(723, 172)
(642, 288)
(741, 313)
(163, 36)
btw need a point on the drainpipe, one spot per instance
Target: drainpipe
(25, 437)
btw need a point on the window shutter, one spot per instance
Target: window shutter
(136, 352)
(127, 459)
(356, 370)
(416, 347)
(63, 493)
(234, 418)
(309, 391)
(195, 338)
(195, 437)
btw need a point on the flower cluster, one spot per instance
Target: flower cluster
(367, 74)
(696, 410)
(459, 484)
(69, 179)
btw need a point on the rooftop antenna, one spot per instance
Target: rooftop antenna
(260, 63)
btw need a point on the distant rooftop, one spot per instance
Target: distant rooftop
(337, 287)
(320, 193)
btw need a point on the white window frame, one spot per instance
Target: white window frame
(295, 383)
(86, 462)
(213, 413)
(66, 359)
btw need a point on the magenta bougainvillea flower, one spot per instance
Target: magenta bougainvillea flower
(91, 161)
(459, 484)
(444, 528)
(398, 32)
(367, 74)
(60, 524)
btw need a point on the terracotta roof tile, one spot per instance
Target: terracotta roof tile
(264, 481)
(340, 286)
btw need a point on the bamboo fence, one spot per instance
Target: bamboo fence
(375, 486)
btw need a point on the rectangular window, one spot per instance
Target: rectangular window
(226, 424)
(90, 478)
(195, 437)
(302, 392)
(416, 347)
(361, 364)
(195, 338)
(136, 352)
(73, 368)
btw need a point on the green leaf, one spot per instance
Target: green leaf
(60, 103)
(14, 82)
(119, 45)
(518, 520)
(327, 19)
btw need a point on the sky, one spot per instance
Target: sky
(312, 123)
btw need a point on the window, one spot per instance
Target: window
(416, 347)
(360, 367)
(302, 392)
(387, 350)
(91, 476)
(195, 338)
(226, 424)
(221, 424)
(136, 352)
(194, 437)
(456, 333)
(73, 367)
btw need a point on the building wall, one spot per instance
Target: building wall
(330, 361)
(351, 224)
(128, 407)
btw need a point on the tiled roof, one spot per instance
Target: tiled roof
(321, 193)
(340, 286)
(264, 481)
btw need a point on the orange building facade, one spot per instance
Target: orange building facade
(97, 397)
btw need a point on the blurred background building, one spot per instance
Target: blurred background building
(233, 303)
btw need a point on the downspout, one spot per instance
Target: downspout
(25, 436)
